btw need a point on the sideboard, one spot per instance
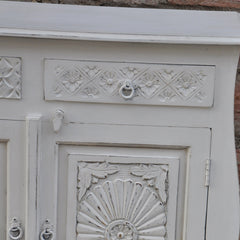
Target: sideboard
(117, 123)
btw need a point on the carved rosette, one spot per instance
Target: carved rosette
(122, 209)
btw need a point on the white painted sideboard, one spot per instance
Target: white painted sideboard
(117, 123)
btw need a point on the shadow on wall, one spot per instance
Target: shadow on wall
(237, 117)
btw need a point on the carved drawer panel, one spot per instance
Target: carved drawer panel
(130, 83)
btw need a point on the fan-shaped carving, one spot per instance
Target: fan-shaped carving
(121, 209)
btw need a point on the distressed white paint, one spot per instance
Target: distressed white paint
(119, 134)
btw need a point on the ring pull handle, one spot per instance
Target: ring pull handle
(47, 231)
(127, 90)
(15, 231)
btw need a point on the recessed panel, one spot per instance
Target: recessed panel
(121, 196)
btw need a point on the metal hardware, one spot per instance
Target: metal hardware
(15, 231)
(127, 91)
(57, 120)
(47, 231)
(207, 172)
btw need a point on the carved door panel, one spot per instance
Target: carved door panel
(12, 172)
(123, 182)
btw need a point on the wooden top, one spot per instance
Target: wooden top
(119, 24)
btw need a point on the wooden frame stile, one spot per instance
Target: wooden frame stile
(33, 156)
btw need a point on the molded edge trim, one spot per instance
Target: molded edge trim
(54, 21)
(6, 32)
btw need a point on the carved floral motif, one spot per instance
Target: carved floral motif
(155, 176)
(70, 78)
(148, 84)
(90, 92)
(91, 70)
(109, 81)
(167, 95)
(89, 173)
(160, 84)
(10, 77)
(186, 84)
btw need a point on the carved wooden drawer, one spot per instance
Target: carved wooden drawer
(107, 82)
(118, 131)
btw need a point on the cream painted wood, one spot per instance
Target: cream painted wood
(76, 142)
(12, 197)
(33, 155)
(127, 25)
(55, 136)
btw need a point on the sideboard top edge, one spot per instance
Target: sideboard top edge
(18, 19)
(119, 37)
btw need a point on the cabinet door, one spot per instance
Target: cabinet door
(123, 182)
(12, 180)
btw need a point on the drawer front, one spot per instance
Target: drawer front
(129, 83)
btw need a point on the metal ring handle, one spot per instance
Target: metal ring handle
(128, 88)
(46, 234)
(15, 233)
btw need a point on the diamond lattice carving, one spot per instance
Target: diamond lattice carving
(10, 77)
(154, 83)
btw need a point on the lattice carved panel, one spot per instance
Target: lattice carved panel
(157, 84)
(10, 77)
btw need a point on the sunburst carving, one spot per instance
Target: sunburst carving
(121, 210)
